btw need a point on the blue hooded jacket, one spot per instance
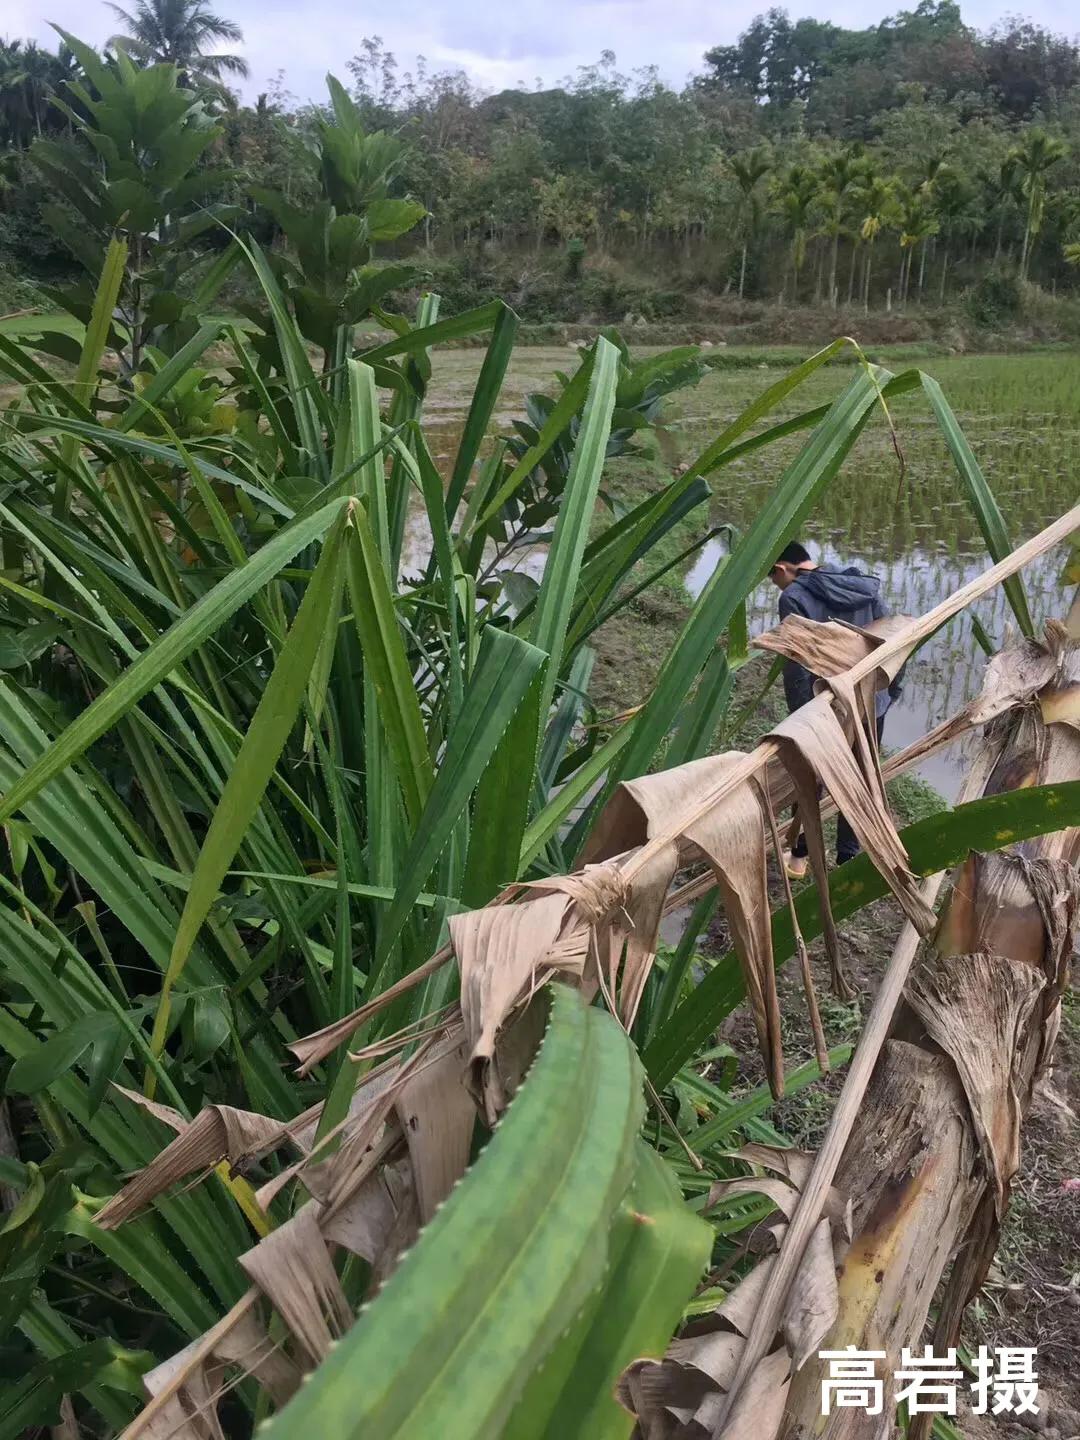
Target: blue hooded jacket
(829, 593)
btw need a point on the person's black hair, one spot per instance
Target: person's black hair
(793, 554)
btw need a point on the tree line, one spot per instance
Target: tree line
(807, 162)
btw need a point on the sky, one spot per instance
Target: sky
(498, 44)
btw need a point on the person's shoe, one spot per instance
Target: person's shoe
(796, 865)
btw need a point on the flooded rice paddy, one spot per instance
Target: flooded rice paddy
(1022, 417)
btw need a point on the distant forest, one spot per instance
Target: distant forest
(902, 165)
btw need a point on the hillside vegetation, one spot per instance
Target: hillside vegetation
(918, 170)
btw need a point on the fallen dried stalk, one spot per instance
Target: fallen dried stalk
(812, 1197)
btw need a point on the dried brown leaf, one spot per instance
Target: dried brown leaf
(247, 1344)
(313, 1048)
(437, 1117)
(217, 1133)
(715, 1354)
(1012, 677)
(165, 1113)
(812, 1302)
(502, 951)
(782, 1160)
(758, 1407)
(824, 647)
(661, 1395)
(785, 1196)
(821, 1049)
(739, 1308)
(732, 838)
(814, 733)
(644, 910)
(190, 1413)
(292, 1267)
(977, 1008)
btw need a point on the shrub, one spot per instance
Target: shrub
(995, 299)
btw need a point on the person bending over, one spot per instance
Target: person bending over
(825, 592)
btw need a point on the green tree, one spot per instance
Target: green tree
(796, 192)
(839, 176)
(1036, 153)
(134, 169)
(29, 76)
(875, 200)
(957, 214)
(181, 33)
(329, 274)
(917, 224)
(749, 170)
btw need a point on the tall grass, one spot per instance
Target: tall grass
(252, 760)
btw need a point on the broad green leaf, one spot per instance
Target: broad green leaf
(174, 370)
(97, 334)
(60, 1052)
(659, 1250)
(386, 663)
(417, 341)
(562, 413)
(559, 585)
(53, 1338)
(482, 406)
(27, 1202)
(517, 1249)
(388, 219)
(501, 808)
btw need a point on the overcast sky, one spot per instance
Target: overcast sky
(498, 43)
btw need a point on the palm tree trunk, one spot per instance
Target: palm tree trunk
(922, 268)
(944, 273)
(866, 276)
(832, 270)
(1025, 249)
(851, 271)
(742, 271)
